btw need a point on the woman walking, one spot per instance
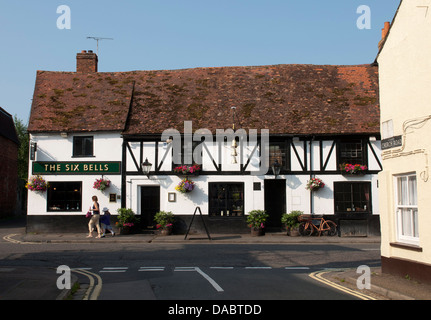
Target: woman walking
(94, 221)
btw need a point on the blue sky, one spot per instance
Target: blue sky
(174, 34)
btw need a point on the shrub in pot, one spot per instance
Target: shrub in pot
(164, 222)
(291, 222)
(127, 221)
(256, 221)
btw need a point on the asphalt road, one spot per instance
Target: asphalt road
(149, 271)
(189, 272)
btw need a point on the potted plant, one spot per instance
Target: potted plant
(164, 221)
(37, 183)
(101, 184)
(314, 184)
(291, 222)
(186, 185)
(256, 221)
(127, 221)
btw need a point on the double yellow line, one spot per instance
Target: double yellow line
(9, 239)
(318, 275)
(95, 286)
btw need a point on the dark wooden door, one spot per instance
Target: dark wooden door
(150, 205)
(275, 202)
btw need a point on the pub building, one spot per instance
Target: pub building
(290, 123)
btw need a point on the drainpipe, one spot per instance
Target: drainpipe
(311, 175)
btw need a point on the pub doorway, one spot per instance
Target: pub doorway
(275, 203)
(150, 205)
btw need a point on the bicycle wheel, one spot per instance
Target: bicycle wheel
(331, 228)
(305, 229)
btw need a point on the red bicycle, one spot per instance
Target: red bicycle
(311, 224)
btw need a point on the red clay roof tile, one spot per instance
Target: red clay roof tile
(286, 99)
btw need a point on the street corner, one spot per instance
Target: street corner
(378, 285)
(347, 280)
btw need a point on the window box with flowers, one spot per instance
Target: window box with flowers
(101, 184)
(188, 170)
(314, 184)
(357, 169)
(37, 183)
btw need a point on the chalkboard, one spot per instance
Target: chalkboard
(191, 222)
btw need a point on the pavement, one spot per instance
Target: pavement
(18, 284)
(269, 238)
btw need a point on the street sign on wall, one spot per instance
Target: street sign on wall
(392, 142)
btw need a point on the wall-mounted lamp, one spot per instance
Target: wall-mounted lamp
(146, 167)
(276, 167)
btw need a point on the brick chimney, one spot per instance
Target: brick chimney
(86, 62)
(385, 31)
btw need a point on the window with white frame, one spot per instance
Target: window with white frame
(407, 208)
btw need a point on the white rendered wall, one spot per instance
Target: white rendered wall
(405, 95)
(53, 147)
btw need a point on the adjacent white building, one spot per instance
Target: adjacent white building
(405, 79)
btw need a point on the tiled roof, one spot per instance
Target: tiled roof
(286, 99)
(74, 102)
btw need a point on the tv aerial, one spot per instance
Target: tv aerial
(97, 40)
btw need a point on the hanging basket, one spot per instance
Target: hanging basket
(314, 184)
(185, 186)
(101, 184)
(37, 183)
